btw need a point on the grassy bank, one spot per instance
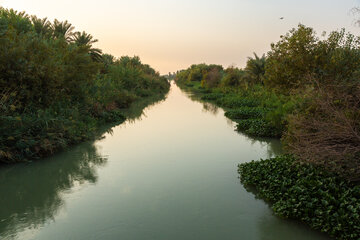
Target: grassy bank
(254, 110)
(306, 91)
(58, 90)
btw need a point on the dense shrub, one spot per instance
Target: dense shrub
(56, 89)
(254, 108)
(327, 131)
(235, 101)
(304, 192)
(195, 75)
(233, 77)
(33, 135)
(258, 128)
(212, 78)
(245, 113)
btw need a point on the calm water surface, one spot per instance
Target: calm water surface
(169, 174)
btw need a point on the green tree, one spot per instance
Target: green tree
(300, 57)
(255, 67)
(63, 30)
(233, 77)
(42, 26)
(195, 75)
(86, 40)
(213, 77)
(292, 59)
(19, 21)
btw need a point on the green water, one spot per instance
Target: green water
(169, 174)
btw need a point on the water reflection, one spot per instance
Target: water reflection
(209, 107)
(31, 193)
(276, 228)
(136, 111)
(273, 145)
(171, 175)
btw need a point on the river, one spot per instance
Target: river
(170, 173)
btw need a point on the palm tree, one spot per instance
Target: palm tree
(63, 30)
(42, 26)
(256, 67)
(18, 20)
(84, 39)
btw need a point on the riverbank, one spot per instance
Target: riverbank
(322, 199)
(249, 109)
(58, 90)
(314, 107)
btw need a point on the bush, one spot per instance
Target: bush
(327, 131)
(195, 75)
(233, 77)
(258, 128)
(212, 78)
(245, 113)
(236, 101)
(307, 193)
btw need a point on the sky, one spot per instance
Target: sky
(173, 34)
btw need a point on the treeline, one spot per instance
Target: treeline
(305, 90)
(56, 89)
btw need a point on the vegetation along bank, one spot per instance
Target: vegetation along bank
(305, 90)
(56, 89)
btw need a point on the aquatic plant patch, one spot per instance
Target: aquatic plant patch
(246, 113)
(305, 192)
(257, 127)
(236, 101)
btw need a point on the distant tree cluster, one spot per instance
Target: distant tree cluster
(212, 76)
(170, 76)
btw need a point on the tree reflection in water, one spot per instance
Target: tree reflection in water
(209, 107)
(32, 193)
(273, 145)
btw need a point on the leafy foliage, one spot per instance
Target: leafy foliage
(245, 113)
(56, 89)
(251, 106)
(300, 56)
(212, 78)
(255, 67)
(258, 128)
(237, 100)
(233, 77)
(86, 40)
(63, 30)
(310, 194)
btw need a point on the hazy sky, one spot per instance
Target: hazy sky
(172, 34)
